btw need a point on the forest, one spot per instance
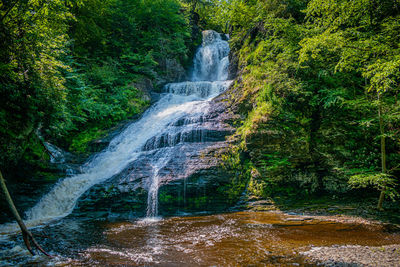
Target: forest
(314, 104)
(69, 68)
(318, 93)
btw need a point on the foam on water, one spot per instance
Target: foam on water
(182, 100)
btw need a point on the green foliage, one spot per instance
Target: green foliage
(318, 94)
(69, 68)
(311, 72)
(80, 142)
(379, 181)
(33, 39)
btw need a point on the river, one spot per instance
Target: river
(149, 153)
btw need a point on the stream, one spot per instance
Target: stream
(232, 239)
(79, 218)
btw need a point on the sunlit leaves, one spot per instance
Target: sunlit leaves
(377, 180)
(384, 75)
(323, 75)
(69, 65)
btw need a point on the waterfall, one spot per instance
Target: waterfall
(211, 60)
(208, 80)
(182, 104)
(152, 198)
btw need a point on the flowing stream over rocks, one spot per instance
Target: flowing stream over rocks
(163, 165)
(141, 155)
(232, 239)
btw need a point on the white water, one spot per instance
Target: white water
(208, 80)
(187, 99)
(152, 198)
(211, 60)
(57, 154)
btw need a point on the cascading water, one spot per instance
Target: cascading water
(184, 104)
(211, 60)
(161, 149)
(208, 80)
(152, 198)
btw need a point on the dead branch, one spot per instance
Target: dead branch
(26, 234)
(44, 146)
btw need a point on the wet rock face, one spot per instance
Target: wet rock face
(233, 66)
(173, 140)
(173, 71)
(200, 192)
(191, 181)
(145, 85)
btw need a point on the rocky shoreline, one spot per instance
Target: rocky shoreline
(338, 255)
(342, 256)
(352, 255)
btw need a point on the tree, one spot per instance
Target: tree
(362, 37)
(26, 234)
(32, 91)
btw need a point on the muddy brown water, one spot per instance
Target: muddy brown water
(232, 239)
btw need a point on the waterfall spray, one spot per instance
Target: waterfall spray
(155, 130)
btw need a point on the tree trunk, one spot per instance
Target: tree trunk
(315, 155)
(383, 152)
(26, 234)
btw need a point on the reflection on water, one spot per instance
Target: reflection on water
(234, 239)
